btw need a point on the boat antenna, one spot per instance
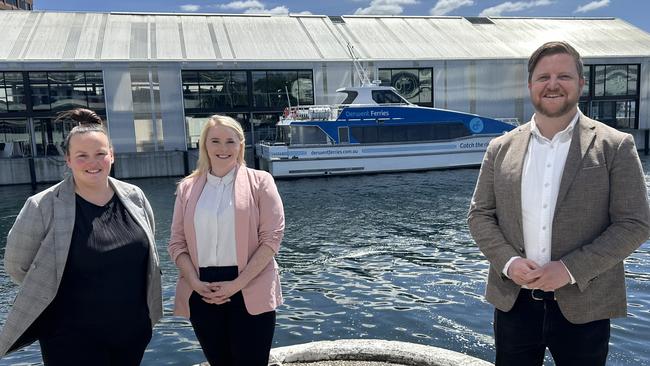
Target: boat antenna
(361, 72)
(286, 92)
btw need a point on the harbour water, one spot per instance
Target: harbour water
(381, 256)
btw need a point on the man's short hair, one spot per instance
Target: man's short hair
(554, 48)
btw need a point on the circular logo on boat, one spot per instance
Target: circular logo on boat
(476, 125)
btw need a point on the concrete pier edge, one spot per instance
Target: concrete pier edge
(401, 353)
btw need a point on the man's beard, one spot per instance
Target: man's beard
(566, 108)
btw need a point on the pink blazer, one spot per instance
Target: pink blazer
(259, 220)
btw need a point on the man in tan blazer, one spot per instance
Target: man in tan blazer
(559, 204)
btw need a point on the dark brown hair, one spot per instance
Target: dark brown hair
(85, 121)
(554, 48)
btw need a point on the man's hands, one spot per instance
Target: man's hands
(549, 277)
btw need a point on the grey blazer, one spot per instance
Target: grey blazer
(37, 250)
(601, 217)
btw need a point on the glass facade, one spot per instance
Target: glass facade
(38, 97)
(611, 94)
(58, 91)
(256, 98)
(215, 90)
(415, 85)
(277, 89)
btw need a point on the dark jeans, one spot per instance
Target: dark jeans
(228, 334)
(523, 333)
(96, 346)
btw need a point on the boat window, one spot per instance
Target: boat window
(351, 96)
(344, 135)
(412, 133)
(283, 134)
(308, 135)
(387, 97)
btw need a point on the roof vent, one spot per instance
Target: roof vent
(336, 19)
(479, 20)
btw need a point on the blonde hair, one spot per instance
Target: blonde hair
(203, 164)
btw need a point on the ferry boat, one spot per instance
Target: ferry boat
(375, 130)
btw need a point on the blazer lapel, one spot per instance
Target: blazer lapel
(242, 193)
(64, 217)
(188, 217)
(583, 135)
(517, 155)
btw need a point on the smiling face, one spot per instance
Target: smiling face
(223, 147)
(555, 86)
(90, 158)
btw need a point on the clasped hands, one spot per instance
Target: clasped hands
(548, 277)
(215, 292)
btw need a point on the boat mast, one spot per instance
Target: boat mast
(361, 72)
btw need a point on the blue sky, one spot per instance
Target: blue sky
(635, 12)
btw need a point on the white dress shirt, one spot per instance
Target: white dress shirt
(540, 185)
(214, 222)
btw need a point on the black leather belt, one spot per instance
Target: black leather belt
(539, 295)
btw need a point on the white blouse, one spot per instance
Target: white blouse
(214, 222)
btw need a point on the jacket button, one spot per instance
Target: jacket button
(33, 266)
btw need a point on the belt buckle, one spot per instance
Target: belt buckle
(532, 294)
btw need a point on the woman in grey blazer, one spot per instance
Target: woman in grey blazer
(84, 255)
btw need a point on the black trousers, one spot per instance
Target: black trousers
(97, 346)
(523, 334)
(228, 334)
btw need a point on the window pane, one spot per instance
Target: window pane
(632, 75)
(279, 83)
(15, 90)
(144, 133)
(260, 97)
(384, 76)
(40, 97)
(14, 138)
(191, 96)
(194, 126)
(3, 98)
(585, 75)
(616, 80)
(190, 76)
(238, 89)
(305, 88)
(415, 85)
(599, 82)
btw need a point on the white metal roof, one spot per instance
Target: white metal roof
(79, 36)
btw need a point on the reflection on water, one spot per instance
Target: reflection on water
(382, 256)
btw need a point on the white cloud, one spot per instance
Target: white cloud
(190, 7)
(242, 5)
(444, 7)
(592, 6)
(385, 7)
(512, 7)
(255, 7)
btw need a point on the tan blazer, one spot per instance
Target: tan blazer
(37, 250)
(601, 217)
(259, 220)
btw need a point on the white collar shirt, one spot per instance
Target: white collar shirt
(540, 184)
(214, 222)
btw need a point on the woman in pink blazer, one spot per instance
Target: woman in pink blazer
(226, 230)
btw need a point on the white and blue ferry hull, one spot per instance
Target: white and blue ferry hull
(284, 162)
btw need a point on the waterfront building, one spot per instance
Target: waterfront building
(157, 77)
(16, 4)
